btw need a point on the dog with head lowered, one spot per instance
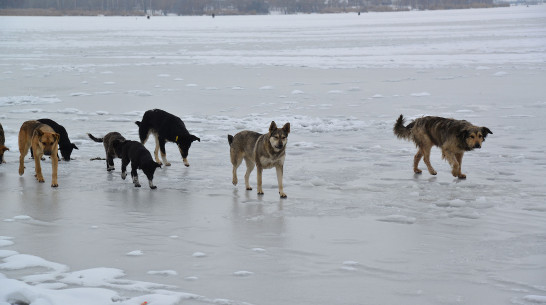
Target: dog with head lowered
(166, 128)
(44, 141)
(261, 150)
(140, 158)
(108, 142)
(453, 137)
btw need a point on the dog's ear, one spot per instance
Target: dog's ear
(74, 146)
(38, 132)
(57, 137)
(194, 138)
(286, 128)
(486, 131)
(273, 126)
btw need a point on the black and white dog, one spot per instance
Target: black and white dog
(65, 146)
(166, 128)
(140, 158)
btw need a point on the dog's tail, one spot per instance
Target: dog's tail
(100, 140)
(230, 139)
(401, 131)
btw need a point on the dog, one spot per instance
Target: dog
(44, 141)
(260, 150)
(108, 142)
(65, 146)
(453, 137)
(3, 148)
(166, 128)
(140, 158)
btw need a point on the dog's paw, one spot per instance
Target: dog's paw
(248, 188)
(283, 195)
(417, 171)
(111, 169)
(123, 175)
(462, 176)
(260, 193)
(169, 164)
(54, 185)
(137, 185)
(235, 181)
(153, 187)
(433, 172)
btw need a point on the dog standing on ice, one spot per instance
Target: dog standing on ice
(166, 128)
(44, 141)
(108, 142)
(140, 158)
(453, 137)
(260, 150)
(3, 148)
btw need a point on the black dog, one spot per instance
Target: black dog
(65, 146)
(165, 127)
(139, 157)
(108, 142)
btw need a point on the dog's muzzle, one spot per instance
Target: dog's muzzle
(477, 146)
(47, 152)
(279, 146)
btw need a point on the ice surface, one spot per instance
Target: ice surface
(358, 226)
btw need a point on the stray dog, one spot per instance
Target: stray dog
(454, 137)
(165, 127)
(260, 150)
(108, 142)
(3, 148)
(44, 141)
(65, 146)
(139, 157)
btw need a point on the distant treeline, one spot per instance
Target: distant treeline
(225, 7)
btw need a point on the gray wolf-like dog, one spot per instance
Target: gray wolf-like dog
(260, 150)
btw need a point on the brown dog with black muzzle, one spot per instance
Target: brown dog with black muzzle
(44, 141)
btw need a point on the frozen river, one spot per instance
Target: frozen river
(358, 227)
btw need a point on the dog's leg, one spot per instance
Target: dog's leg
(279, 180)
(156, 151)
(426, 158)
(249, 168)
(151, 183)
(459, 157)
(38, 168)
(259, 171)
(109, 163)
(451, 158)
(134, 175)
(236, 160)
(162, 142)
(54, 167)
(124, 163)
(416, 161)
(23, 149)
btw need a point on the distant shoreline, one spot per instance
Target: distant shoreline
(58, 13)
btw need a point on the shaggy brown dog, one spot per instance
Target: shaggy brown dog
(44, 141)
(454, 137)
(260, 150)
